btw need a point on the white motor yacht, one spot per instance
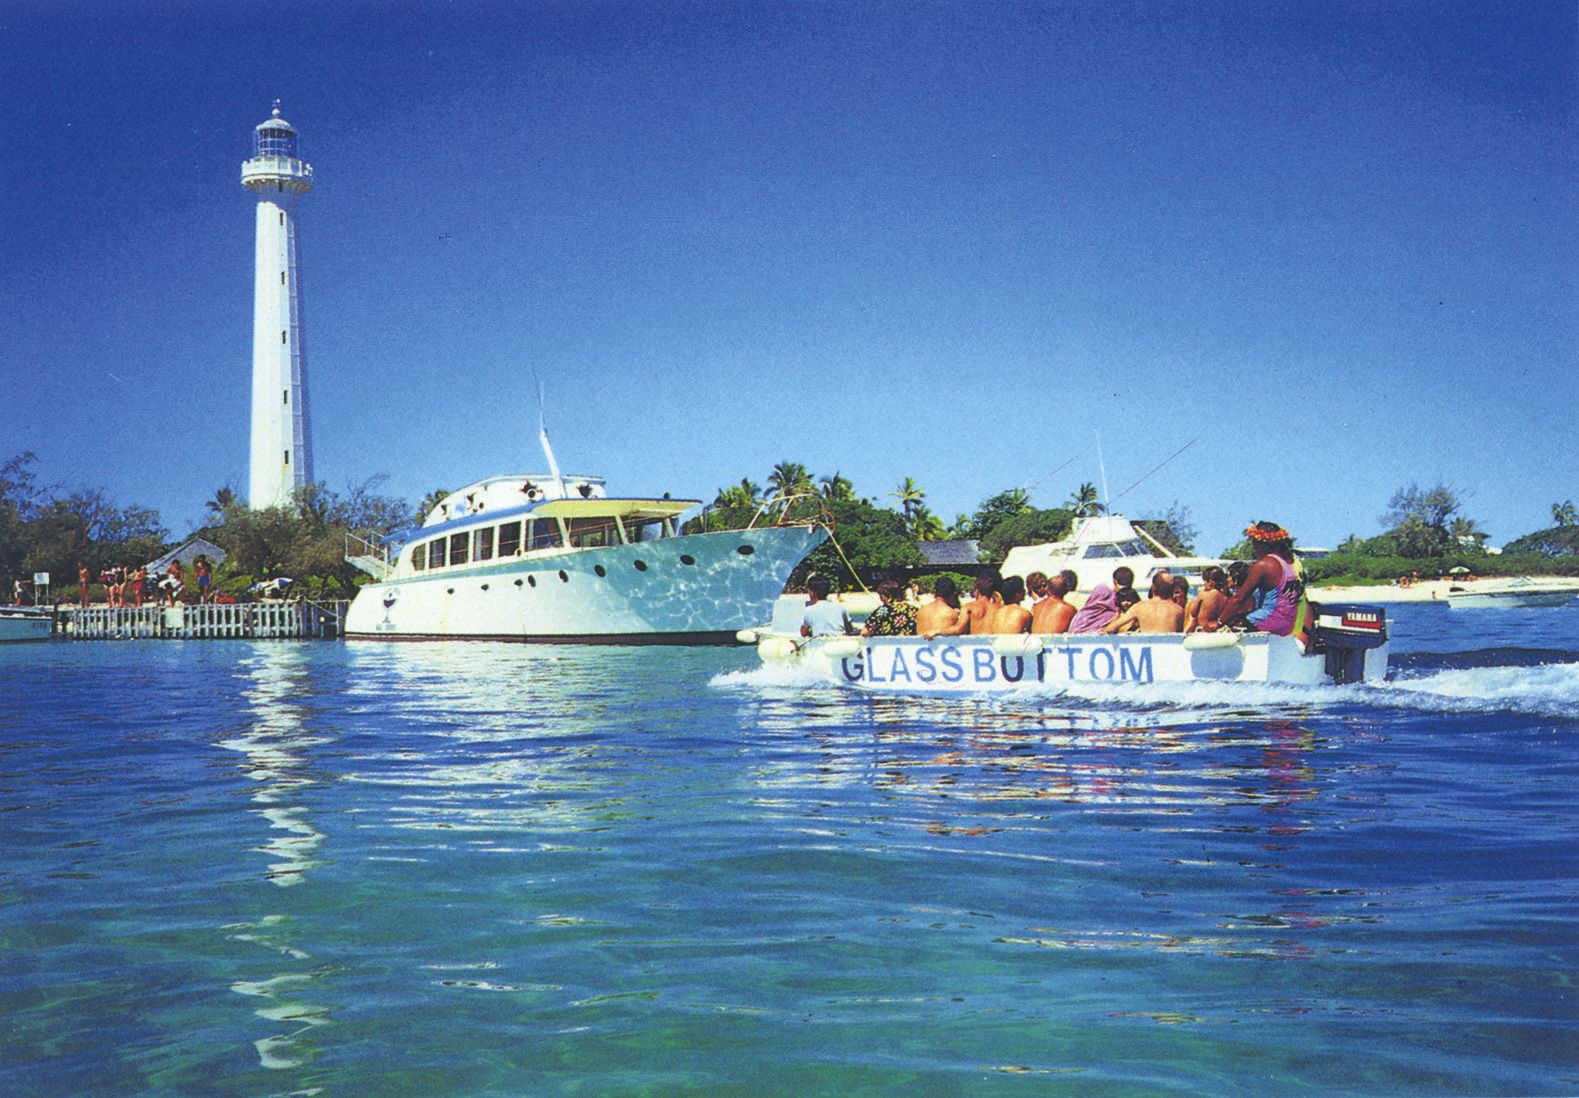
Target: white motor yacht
(1099, 544)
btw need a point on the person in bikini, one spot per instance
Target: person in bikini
(1205, 610)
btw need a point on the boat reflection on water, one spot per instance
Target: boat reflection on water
(1216, 799)
(277, 758)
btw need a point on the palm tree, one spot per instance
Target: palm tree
(1466, 532)
(1564, 514)
(925, 526)
(227, 496)
(837, 488)
(1085, 501)
(789, 478)
(910, 497)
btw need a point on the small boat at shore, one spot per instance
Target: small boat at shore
(25, 623)
(1348, 644)
(1514, 594)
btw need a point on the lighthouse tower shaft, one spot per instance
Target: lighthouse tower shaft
(281, 458)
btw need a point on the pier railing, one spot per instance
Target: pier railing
(206, 621)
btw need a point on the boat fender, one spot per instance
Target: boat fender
(777, 649)
(841, 648)
(748, 636)
(1017, 644)
(1195, 642)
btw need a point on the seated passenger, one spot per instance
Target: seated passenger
(1158, 614)
(1036, 586)
(985, 604)
(1011, 617)
(894, 618)
(1101, 607)
(1124, 586)
(823, 618)
(1205, 609)
(1270, 598)
(1053, 614)
(942, 616)
(1181, 592)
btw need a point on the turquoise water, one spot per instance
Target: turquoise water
(274, 868)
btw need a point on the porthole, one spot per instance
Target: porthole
(746, 550)
(600, 570)
(518, 583)
(687, 558)
(532, 580)
(564, 577)
(449, 590)
(641, 565)
(485, 587)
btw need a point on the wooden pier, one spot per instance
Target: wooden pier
(300, 620)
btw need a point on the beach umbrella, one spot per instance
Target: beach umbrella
(1458, 570)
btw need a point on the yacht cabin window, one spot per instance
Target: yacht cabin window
(509, 539)
(436, 553)
(458, 546)
(419, 557)
(482, 544)
(544, 534)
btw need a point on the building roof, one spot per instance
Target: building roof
(944, 553)
(188, 551)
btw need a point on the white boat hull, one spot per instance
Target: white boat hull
(993, 664)
(691, 589)
(1509, 600)
(24, 623)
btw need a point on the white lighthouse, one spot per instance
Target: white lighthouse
(282, 458)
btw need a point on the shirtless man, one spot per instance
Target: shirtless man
(1053, 614)
(942, 616)
(82, 584)
(1011, 617)
(1206, 608)
(1036, 586)
(1158, 614)
(984, 605)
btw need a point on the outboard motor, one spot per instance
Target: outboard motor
(1344, 633)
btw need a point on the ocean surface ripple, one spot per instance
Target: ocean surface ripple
(275, 868)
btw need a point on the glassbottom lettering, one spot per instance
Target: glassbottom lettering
(902, 665)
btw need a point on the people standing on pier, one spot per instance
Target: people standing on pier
(175, 582)
(205, 578)
(136, 583)
(83, 584)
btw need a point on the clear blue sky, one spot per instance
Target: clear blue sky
(1335, 242)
